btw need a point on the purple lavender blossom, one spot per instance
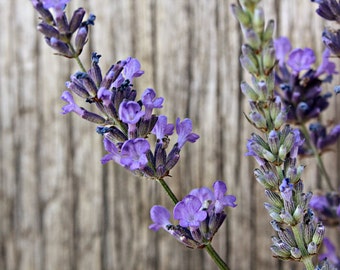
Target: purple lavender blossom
(200, 215)
(131, 70)
(130, 112)
(150, 102)
(222, 200)
(330, 254)
(160, 216)
(299, 84)
(301, 59)
(189, 213)
(282, 48)
(328, 9)
(162, 128)
(286, 189)
(114, 153)
(326, 208)
(72, 106)
(183, 130)
(133, 154)
(331, 38)
(55, 4)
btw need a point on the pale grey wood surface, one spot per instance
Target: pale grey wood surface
(61, 209)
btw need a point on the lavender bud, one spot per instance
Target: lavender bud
(88, 83)
(81, 39)
(287, 236)
(77, 88)
(94, 118)
(308, 233)
(274, 198)
(298, 214)
(280, 119)
(269, 58)
(95, 71)
(59, 46)
(62, 24)
(76, 19)
(258, 20)
(252, 38)
(269, 31)
(276, 225)
(287, 218)
(160, 155)
(248, 60)
(312, 248)
(319, 234)
(242, 16)
(280, 251)
(48, 30)
(273, 141)
(296, 253)
(258, 120)
(248, 91)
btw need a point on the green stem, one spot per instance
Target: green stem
(306, 257)
(317, 156)
(211, 251)
(76, 57)
(168, 190)
(216, 258)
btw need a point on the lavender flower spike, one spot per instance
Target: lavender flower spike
(183, 130)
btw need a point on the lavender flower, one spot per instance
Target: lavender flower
(131, 70)
(162, 129)
(150, 102)
(327, 208)
(184, 133)
(299, 85)
(133, 154)
(200, 214)
(328, 9)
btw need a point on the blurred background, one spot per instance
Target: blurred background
(61, 209)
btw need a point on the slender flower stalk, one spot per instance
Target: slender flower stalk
(275, 147)
(127, 125)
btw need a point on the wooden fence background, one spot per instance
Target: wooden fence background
(61, 209)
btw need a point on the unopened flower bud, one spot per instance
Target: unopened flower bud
(269, 58)
(249, 60)
(76, 19)
(242, 16)
(274, 198)
(81, 38)
(273, 141)
(296, 253)
(298, 213)
(248, 91)
(269, 31)
(252, 39)
(48, 30)
(59, 46)
(287, 218)
(94, 118)
(287, 236)
(312, 248)
(319, 234)
(258, 20)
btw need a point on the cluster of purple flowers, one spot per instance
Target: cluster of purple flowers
(327, 207)
(126, 123)
(200, 214)
(58, 31)
(299, 84)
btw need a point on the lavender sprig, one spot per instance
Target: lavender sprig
(128, 124)
(276, 146)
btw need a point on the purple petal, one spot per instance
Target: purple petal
(160, 216)
(222, 200)
(134, 153)
(72, 106)
(114, 153)
(188, 212)
(326, 66)
(162, 128)
(130, 112)
(282, 48)
(105, 95)
(183, 130)
(301, 59)
(203, 194)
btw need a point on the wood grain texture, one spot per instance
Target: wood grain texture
(61, 209)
